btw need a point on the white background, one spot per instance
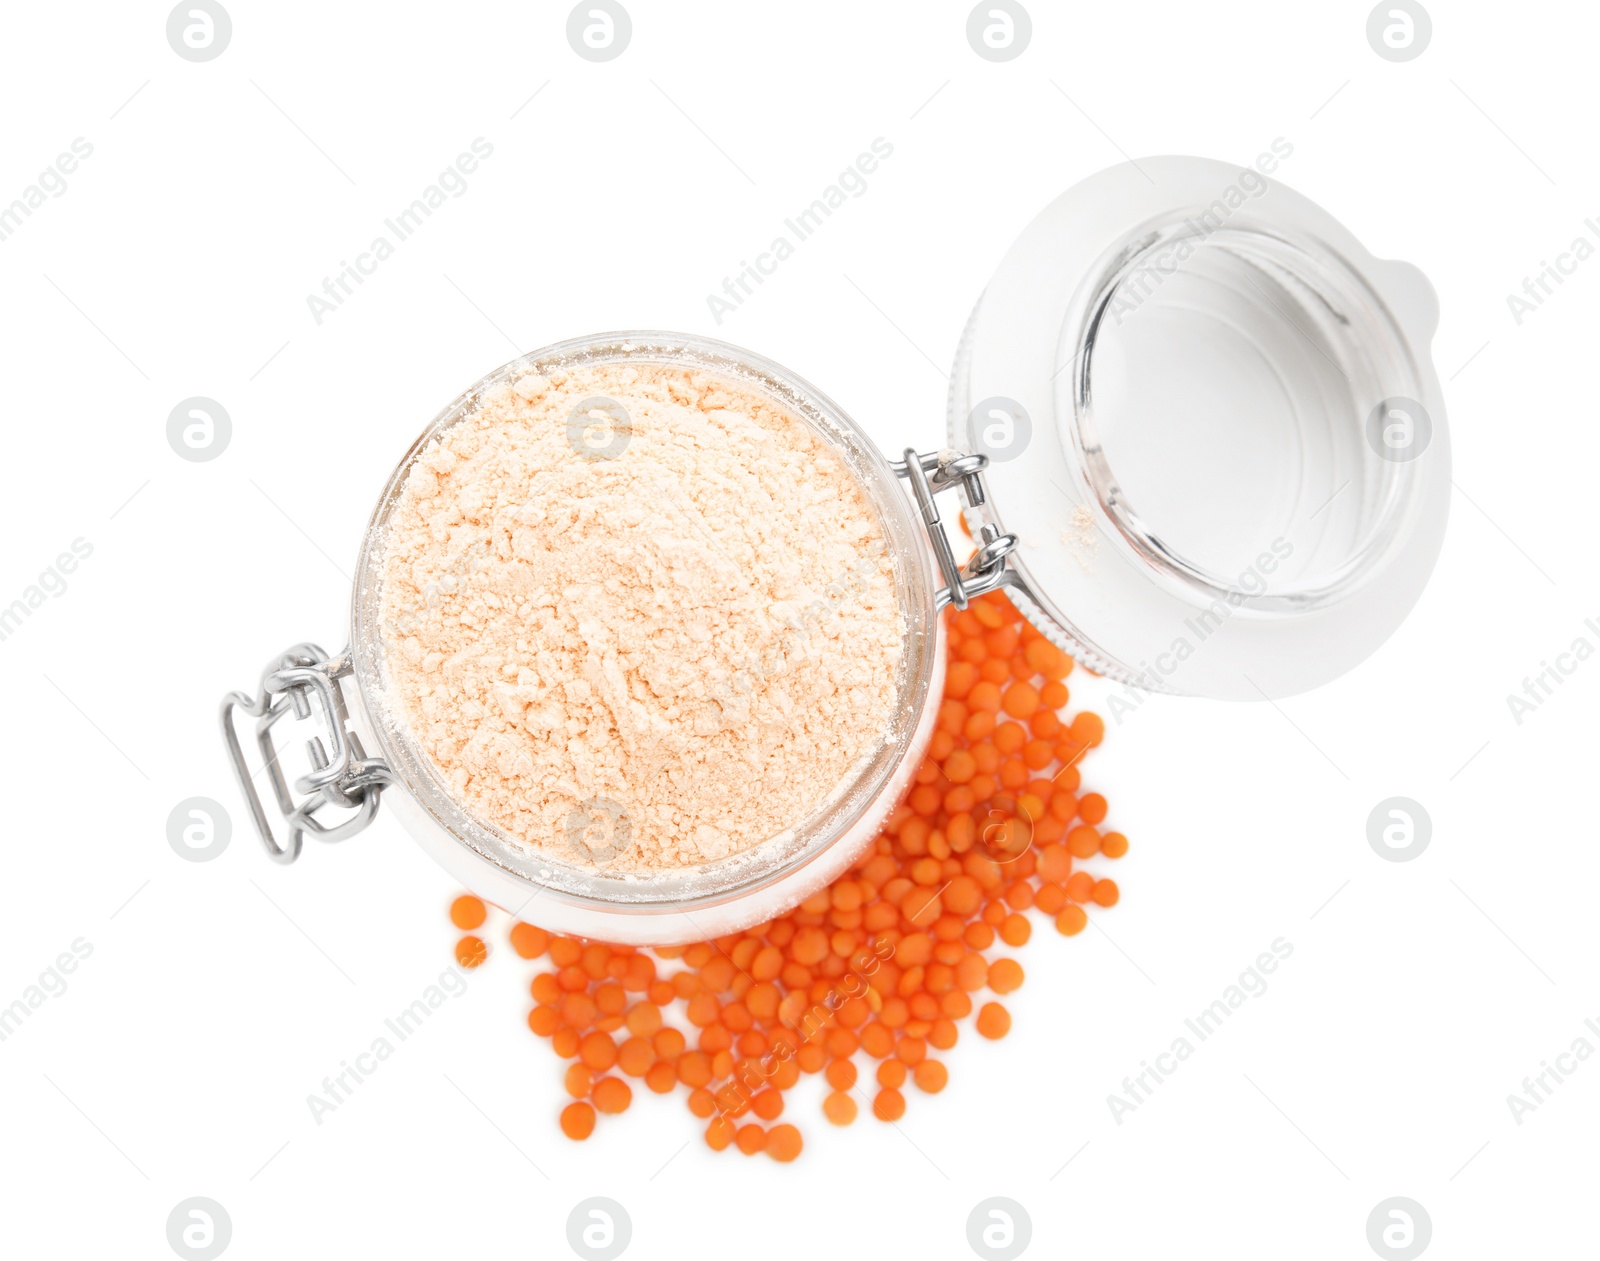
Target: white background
(177, 263)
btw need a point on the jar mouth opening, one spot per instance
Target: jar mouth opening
(1224, 380)
(545, 872)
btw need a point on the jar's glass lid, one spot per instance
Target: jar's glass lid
(1213, 425)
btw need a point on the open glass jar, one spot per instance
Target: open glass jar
(1200, 444)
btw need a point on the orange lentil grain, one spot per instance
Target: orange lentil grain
(784, 1143)
(577, 1121)
(957, 1004)
(1020, 700)
(544, 1020)
(577, 1010)
(579, 1081)
(694, 1068)
(996, 672)
(1009, 737)
(611, 1094)
(1003, 642)
(661, 1077)
(636, 1057)
(468, 912)
(972, 972)
(661, 992)
(751, 1139)
(811, 1057)
(986, 695)
(889, 1104)
(1089, 729)
(1045, 725)
(599, 1052)
(644, 1020)
(1038, 754)
(529, 942)
(1083, 841)
(930, 1076)
(1041, 655)
(768, 1105)
(877, 1041)
(544, 988)
(959, 678)
(565, 951)
(994, 1021)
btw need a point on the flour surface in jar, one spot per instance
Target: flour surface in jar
(643, 594)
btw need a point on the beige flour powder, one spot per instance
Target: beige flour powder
(686, 623)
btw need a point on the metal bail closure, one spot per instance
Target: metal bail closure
(341, 774)
(987, 569)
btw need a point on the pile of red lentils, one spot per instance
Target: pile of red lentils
(883, 965)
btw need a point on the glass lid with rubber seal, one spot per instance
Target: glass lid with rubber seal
(1212, 427)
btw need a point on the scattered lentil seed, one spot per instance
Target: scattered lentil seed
(468, 912)
(577, 1121)
(890, 1104)
(839, 1108)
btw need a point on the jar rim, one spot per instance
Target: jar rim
(576, 885)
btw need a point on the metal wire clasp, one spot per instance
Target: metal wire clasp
(341, 773)
(986, 570)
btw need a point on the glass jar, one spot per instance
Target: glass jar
(1156, 408)
(748, 887)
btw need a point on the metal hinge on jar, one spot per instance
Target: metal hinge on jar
(987, 569)
(341, 775)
